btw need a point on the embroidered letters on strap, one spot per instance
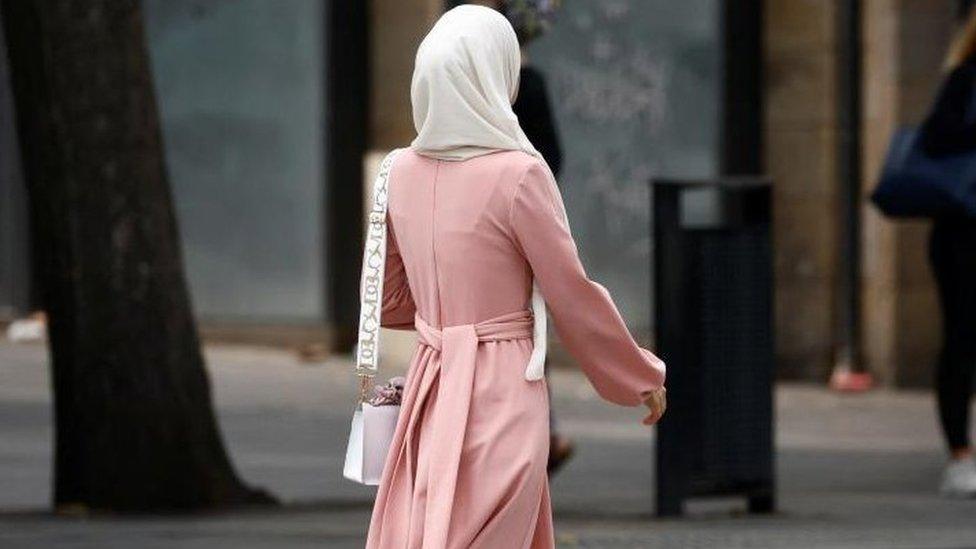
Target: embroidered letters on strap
(374, 267)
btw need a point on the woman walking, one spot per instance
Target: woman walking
(951, 129)
(477, 231)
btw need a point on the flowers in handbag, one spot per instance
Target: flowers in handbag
(389, 394)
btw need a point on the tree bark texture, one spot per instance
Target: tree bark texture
(135, 428)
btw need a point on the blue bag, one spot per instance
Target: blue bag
(917, 183)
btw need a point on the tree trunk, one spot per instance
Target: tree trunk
(135, 428)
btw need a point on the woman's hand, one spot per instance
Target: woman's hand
(657, 403)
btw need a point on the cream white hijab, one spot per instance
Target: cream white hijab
(465, 79)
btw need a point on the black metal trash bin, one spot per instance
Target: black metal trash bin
(713, 280)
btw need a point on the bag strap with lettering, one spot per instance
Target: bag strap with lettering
(371, 284)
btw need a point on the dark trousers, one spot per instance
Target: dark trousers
(952, 252)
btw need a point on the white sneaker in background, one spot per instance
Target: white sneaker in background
(959, 479)
(32, 328)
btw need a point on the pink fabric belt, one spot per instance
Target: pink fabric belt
(458, 346)
(517, 325)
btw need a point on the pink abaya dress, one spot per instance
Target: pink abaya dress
(467, 467)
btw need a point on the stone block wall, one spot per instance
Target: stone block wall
(904, 44)
(800, 156)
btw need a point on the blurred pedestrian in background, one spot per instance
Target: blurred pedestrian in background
(531, 18)
(951, 129)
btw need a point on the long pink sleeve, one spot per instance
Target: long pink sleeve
(398, 304)
(586, 319)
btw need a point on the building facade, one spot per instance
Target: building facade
(896, 61)
(271, 110)
(838, 76)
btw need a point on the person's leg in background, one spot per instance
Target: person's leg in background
(953, 257)
(561, 448)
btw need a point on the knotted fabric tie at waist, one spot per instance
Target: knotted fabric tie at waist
(458, 346)
(517, 325)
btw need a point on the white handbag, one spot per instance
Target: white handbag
(372, 427)
(369, 442)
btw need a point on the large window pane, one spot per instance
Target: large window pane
(240, 87)
(636, 88)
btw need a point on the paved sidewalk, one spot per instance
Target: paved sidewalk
(854, 471)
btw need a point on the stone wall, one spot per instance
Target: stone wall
(397, 28)
(904, 44)
(800, 156)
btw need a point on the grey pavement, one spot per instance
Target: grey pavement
(854, 471)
